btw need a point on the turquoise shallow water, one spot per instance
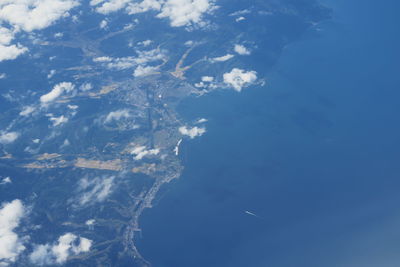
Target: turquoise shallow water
(314, 154)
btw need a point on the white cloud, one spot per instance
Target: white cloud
(222, 58)
(179, 12)
(192, 132)
(102, 59)
(207, 79)
(122, 63)
(31, 15)
(84, 245)
(150, 56)
(206, 82)
(11, 245)
(58, 35)
(142, 59)
(58, 253)
(51, 74)
(63, 249)
(240, 19)
(185, 12)
(90, 222)
(240, 12)
(103, 24)
(6, 36)
(96, 2)
(27, 15)
(3, 76)
(42, 255)
(117, 115)
(202, 120)
(86, 87)
(6, 180)
(57, 90)
(11, 52)
(59, 120)
(8, 138)
(241, 50)
(145, 43)
(73, 107)
(189, 43)
(110, 6)
(141, 152)
(94, 190)
(144, 71)
(200, 85)
(144, 6)
(27, 110)
(238, 78)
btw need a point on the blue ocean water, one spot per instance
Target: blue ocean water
(314, 154)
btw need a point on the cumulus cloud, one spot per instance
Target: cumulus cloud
(86, 87)
(110, 5)
(96, 2)
(189, 43)
(94, 190)
(103, 24)
(8, 137)
(192, 132)
(144, 6)
(31, 15)
(90, 222)
(145, 43)
(73, 107)
(58, 35)
(58, 253)
(42, 255)
(240, 12)
(58, 120)
(238, 79)
(6, 180)
(122, 63)
(117, 115)
(206, 82)
(241, 50)
(144, 71)
(57, 91)
(141, 61)
(141, 152)
(11, 245)
(222, 58)
(207, 79)
(27, 110)
(201, 120)
(150, 56)
(179, 12)
(51, 74)
(6, 36)
(102, 59)
(185, 12)
(27, 15)
(11, 52)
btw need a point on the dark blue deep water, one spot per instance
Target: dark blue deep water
(315, 154)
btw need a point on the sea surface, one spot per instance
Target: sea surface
(315, 155)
